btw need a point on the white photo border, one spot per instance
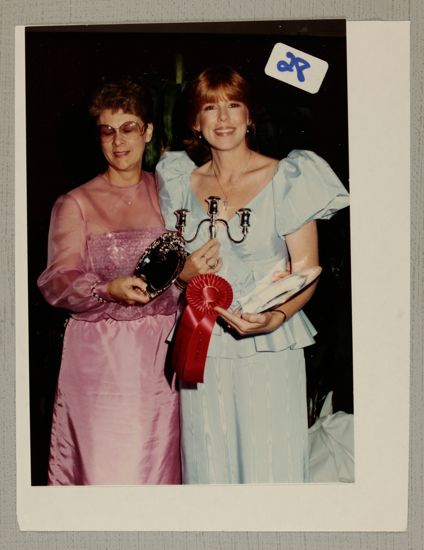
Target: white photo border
(380, 233)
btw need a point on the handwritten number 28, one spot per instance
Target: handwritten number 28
(295, 63)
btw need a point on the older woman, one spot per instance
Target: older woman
(247, 423)
(115, 415)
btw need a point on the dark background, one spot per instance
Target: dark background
(63, 67)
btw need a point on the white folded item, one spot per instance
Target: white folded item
(331, 449)
(269, 293)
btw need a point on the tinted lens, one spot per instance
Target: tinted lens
(129, 129)
(105, 131)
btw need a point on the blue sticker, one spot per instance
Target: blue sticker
(297, 63)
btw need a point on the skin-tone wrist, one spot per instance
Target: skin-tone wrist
(281, 313)
(251, 324)
(128, 290)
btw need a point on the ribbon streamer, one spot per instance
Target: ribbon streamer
(194, 331)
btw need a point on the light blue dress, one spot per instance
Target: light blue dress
(247, 423)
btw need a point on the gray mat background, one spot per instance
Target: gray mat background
(42, 12)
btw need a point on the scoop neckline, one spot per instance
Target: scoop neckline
(262, 190)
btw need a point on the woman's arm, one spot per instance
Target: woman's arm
(303, 250)
(68, 282)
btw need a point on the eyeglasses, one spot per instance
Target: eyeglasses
(129, 130)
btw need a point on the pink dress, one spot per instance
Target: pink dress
(116, 418)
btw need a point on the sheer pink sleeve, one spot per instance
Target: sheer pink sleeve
(67, 281)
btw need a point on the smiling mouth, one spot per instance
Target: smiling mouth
(224, 131)
(120, 153)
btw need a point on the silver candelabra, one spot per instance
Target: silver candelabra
(213, 206)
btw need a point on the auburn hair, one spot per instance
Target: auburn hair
(209, 86)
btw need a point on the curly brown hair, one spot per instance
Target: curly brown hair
(129, 95)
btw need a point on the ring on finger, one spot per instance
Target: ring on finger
(212, 266)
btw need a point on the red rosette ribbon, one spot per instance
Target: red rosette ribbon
(194, 331)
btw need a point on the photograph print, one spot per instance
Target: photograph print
(189, 283)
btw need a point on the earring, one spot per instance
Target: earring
(199, 136)
(247, 130)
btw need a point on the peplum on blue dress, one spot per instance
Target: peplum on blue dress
(247, 423)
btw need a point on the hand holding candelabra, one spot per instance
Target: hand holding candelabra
(213, 207)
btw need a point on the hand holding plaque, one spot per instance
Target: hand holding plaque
(161, 263)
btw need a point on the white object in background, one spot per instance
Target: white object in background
(296, 68)
(331, 447)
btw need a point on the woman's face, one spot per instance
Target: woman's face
(122, 143)
(223, 123)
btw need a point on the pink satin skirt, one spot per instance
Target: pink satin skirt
(116, 415)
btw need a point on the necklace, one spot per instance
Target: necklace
(128, 197)
(225, 202)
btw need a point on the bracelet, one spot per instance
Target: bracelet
(95, 295)
(282, 313)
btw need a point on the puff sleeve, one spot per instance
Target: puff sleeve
(306, 188)
(67, 280)
(173, 176)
